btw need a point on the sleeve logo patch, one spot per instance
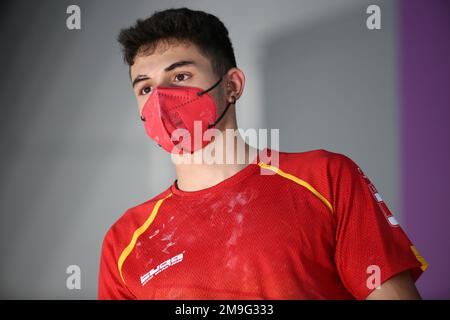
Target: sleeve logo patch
(384, 209)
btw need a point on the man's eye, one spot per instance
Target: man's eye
(181, 77)
(145, 90)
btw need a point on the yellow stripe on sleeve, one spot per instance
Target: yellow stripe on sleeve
(424, 265)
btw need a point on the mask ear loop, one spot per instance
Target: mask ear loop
(200, 93)
(223, 113)
(226, 108)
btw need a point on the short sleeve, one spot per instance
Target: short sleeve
(110, 284)
(367, 234)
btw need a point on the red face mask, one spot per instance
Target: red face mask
(176, 118)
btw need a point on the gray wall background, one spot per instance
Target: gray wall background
(333, 84)
(74, 154)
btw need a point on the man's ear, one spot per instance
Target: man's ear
(235, 82)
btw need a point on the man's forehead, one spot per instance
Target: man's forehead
(160, 57)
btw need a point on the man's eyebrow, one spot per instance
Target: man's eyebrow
(173, 66)
(179, 64)
(140, 78)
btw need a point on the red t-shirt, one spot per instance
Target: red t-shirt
(315, 228)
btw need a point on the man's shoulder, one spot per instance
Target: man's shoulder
(317, 160)
(320, 168)
(320, 171)
(133, 218)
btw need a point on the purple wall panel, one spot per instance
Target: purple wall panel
(425, 115)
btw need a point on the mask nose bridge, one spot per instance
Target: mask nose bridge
(160, 92)
(173, 94)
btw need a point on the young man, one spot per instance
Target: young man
(315, 228)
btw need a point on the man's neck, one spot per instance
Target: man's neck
(197, 176)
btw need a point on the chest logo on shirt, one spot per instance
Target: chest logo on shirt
(161, 267)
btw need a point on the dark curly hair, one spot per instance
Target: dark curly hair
(204, 30)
